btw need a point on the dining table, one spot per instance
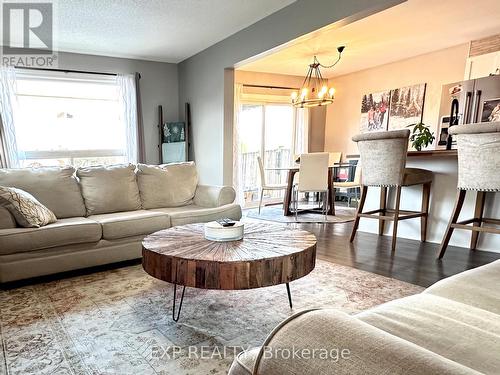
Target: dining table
(292, 169)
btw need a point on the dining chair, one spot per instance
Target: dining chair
(383, 155)
(478, 170)
(313, 171)
(263, 185)
(354, 184)
(334, 158)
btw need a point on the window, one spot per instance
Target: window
(68, 119)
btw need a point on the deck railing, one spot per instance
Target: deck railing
(251, 175)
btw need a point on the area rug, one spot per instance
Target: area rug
(275, 213)
(119, 321)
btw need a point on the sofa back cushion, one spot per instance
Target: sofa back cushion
(107, 189)
(7, 221)
(54, 187)
(168, 185)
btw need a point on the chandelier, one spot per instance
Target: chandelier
(315, 91)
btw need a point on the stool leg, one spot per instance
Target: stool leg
(478, 215)
(327, 193)
(426, 194)
(459, 202)
(331, 191)
(361, 203)
(396, 219)
(383, 206)
(296, 200)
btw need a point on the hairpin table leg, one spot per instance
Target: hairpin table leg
(289, 295)
(176, 318)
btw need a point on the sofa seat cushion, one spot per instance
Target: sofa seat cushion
(462, 333)
(168, 185)
(131, 223)
(196, 214)
(477, 287)
(54, 187)
(62, 232)
(108, 189)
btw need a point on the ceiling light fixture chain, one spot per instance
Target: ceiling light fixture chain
(339, 50)
(314, 90)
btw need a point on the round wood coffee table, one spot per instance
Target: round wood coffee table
(267, 255)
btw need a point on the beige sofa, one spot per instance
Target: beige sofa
(103, 214)
(453, 327)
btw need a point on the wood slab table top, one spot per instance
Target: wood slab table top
(267, 255)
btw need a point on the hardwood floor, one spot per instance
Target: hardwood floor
(413, 261)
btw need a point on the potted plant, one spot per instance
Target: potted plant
(421, 136)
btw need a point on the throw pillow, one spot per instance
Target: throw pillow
(27, 211)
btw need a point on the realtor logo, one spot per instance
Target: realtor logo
(27, 28)
(28, 33)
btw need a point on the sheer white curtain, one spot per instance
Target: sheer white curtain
(301, 131)
(8, 104)
(128, 101)
(237, 168)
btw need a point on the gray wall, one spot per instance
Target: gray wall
(159, 86)
(202, 77)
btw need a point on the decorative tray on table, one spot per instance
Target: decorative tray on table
(224, 230)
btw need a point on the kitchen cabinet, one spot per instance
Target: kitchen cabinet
(482, 65)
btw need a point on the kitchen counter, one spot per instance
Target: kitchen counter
(433, 153)
(424, 153)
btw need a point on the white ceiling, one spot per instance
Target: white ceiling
(158, 30)
(406, 30)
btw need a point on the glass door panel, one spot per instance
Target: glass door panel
(278, 143)
(250, 135)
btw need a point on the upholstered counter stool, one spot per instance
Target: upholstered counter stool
(383, 160)
(478, 170)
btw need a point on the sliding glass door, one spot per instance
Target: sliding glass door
(250, 135)
(270, 131)
(278, 142)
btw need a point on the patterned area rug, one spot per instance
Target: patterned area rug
(119, 321)
(275, 213)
